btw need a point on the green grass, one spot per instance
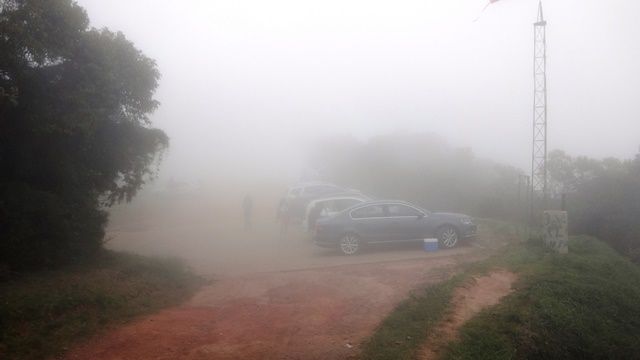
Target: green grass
(402, 333)
(583, 305)
(42, 314)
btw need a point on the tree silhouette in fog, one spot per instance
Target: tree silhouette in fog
(421, 168)
(75, 137)
(602, 197)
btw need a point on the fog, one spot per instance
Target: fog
(318, 179)
(256, 95)
(247, 85)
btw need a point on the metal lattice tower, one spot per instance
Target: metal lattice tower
(539, 154)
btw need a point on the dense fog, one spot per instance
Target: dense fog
(247, 85)
(291, 179)
(425, 101)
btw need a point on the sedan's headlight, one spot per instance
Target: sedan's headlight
(467, 221)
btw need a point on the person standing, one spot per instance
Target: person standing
(314, 215)
(283, 216)
(247, 207)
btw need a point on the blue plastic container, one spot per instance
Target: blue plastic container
(430, 245)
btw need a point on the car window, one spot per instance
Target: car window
(368, 212)
(346, 203)
(402, 210)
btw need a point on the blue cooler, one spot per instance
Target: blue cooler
(430, 245)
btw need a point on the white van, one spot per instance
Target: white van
(299, 196)
(329, 206)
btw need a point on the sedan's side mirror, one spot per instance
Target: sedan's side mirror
(421, 216)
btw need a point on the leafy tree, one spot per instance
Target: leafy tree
(603, 198)
(75, 135)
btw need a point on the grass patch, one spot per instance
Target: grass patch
(582, 305)
(42, 314)
(585, 304)
(402, 332)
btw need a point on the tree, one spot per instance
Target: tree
(421, 168)
(603, 198)
(75, 137)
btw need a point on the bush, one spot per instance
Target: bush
(39, 229)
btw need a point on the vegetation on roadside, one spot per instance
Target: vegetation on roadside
(41, 314)
(602, 198)
(582, 305)
(402, 332)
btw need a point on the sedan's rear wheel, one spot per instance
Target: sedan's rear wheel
(448, 237)
(350, 244)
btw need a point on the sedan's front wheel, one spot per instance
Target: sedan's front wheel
(350, 244)
(448, 237)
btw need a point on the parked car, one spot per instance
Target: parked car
(378, 222)
(329, 206)
(298, 197)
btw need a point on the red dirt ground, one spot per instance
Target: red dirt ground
(307, 314)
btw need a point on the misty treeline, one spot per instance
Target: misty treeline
(75, 136)
(601, 196)
(424, 169)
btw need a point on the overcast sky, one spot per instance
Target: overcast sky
(250, 81)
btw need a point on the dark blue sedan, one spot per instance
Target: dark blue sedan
(378, 222)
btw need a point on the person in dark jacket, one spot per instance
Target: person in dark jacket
(314, 215)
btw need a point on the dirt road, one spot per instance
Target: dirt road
(272, 298)
(310, 314)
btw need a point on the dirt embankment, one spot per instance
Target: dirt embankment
(482, 292)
